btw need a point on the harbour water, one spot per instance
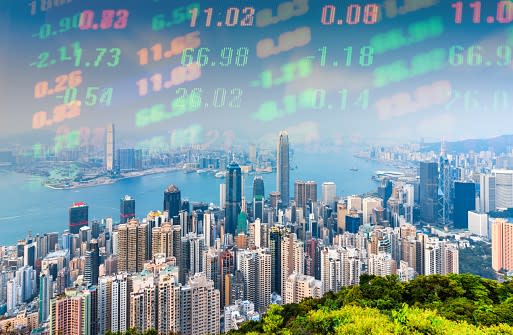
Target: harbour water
(25, 204)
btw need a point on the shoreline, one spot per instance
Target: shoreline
(109, 181)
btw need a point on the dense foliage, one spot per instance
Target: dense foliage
(453, 304)
(477, 259)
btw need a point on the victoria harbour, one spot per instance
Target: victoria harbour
(28, 205)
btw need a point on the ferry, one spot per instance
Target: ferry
(220, 174)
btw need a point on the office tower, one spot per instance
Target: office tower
(503, 188)
(304, 193)
(222, 196)
(368, 206)
(29, 254)
(255, 266)
(283, 168)
(128, 159)
(252, 153)
(502, 241)
(299, 287)
(275, 245)
(385, 190)
(353, 223)
(329, 192)
(72, 313)
(110, 148)
(381, 264)
(444, 188)
(464, 201)
(258, 198)
(131, 246)
(78, 217)
(199, 307)
(354, 203)
(233, 197)
(341, 217)
(428, 192)
(126, 209)
(45, 294)
(92, 263)
(486, 193)
(172, 201)
(478, 224)
(292, 257)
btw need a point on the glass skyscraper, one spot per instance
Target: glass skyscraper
(172, 201)
(283, 168)
(428, 191)
(233, 197)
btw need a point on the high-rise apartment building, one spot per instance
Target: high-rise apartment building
(292, 257)
(78, 217)
(255, 266)
(502, 245)
(283, 168)
(72, 313)
(131, 246)
(233, 197)
(299, 287)
(199, 307)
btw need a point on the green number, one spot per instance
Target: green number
(91, 98)
(158, 22)
(187, 57)
(106, 97)
(202, 59)
(115, 53)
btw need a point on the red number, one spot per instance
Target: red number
(107, 18)
(505, 12)
(192, 40)
(59, 113)
(75, 78)
(247, 21)
(41, 89)
(370, 14)
(122, 21)
(350, 10)
(232, 16)
(73, 109)
(61, 83)
(324, 19)
(193, 71)
(86, 20)
(39, 120)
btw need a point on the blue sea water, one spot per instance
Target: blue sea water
(25, 204)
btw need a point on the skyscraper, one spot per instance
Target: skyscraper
(255, 266)
(304, 192)
(78, 217)
(486, 193)
(283, 168)
(464, 201)
(172, 201)
(258, 198)
(131, 246)
(275, 246)
(502, 241)
(233, 197)
(126, 209)
(503, 188)
(329, 192)
(110, 148)
(92, 263)
(428, 191)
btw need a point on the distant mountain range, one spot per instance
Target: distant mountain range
(498, 144)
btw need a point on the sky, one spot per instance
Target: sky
(455, 82)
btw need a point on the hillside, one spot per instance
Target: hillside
(453, 304)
